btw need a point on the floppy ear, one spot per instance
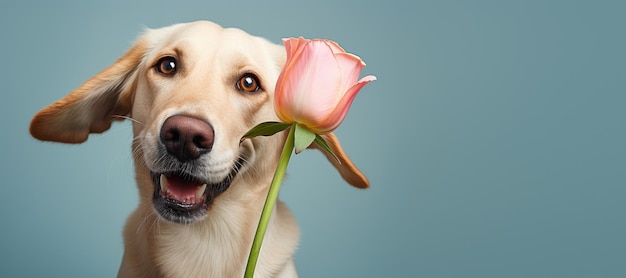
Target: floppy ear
(346, 168)
(91, 107)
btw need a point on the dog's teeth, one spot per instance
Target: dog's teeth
(163, 183)
(200, 191)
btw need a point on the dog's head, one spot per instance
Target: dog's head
(191, 91)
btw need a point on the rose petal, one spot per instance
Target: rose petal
(293, 45)
(334, 46)
(311, 83)
(282, 97)
(351, 66)
(339, 113)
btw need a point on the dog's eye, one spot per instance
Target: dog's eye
(248, 83)
(166, 65)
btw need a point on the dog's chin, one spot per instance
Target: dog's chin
(184, 199)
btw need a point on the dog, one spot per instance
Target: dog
(191, 91)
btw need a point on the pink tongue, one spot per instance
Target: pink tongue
(181, 190)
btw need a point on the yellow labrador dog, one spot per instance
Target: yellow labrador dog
(192, 91)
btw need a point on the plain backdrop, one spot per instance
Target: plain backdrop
(494, 137)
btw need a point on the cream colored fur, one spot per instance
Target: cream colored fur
(211, 60)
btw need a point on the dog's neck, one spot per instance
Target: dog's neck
(217, 246)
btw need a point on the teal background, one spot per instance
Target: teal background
(493, 138)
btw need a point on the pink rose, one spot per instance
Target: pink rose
(318, 84)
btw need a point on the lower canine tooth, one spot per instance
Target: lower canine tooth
(164, 184)
(200, 191)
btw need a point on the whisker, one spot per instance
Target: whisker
(127, 118)
(157, 221)
(143, 222)
(155, 224)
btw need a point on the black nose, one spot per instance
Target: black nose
(186, 138)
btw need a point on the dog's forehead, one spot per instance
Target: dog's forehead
(204, 37)
(207, 41)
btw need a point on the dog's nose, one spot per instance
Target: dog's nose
(187, 138)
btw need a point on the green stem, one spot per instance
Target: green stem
(269, 203)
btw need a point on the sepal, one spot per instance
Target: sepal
(303, 138)
(319, 140)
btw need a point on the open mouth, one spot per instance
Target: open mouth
(183, 198)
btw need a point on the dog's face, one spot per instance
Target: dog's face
(198, 91)
(192, 91)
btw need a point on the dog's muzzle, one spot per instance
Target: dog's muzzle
(181, 194)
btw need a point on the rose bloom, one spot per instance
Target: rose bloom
(317, 84)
